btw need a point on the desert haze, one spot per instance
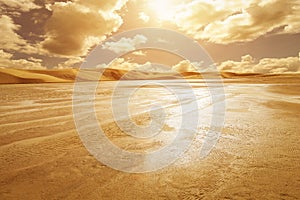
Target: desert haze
(23, 76)
(42, 157)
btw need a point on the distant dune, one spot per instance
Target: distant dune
(22, 76)
(13, 76)
(239, 75)
(236, 75)
(261, 78)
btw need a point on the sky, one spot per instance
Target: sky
(260, 36)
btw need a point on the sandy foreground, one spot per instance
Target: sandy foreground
(257, 156)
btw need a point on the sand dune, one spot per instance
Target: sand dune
(15, 76)
(261, 78)
(243, 75)
(22, 76)
(11, 76)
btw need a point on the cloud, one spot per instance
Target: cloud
(74, 27)
(103, 5)
(195, 15)
(18, 5)
(122, 64)
(71, 62)
(186, 66)
(10, 40)
(264, 66)
(145, 18)
(125, 45)
(183, 66)
(227, 22)
(139, 53)
(7, 61)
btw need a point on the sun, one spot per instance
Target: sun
(163, 9)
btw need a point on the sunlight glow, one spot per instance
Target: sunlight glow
(163, 9)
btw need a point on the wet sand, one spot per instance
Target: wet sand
(257, 156)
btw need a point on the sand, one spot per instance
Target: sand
(23, 76)
(257, 156)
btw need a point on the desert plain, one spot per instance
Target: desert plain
(257, 155)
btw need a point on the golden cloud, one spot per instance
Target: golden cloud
(125, 45)
(19, 5)
(238, 21)
(264, 66)
(186, 66)
(75, 27)
(144, 17)
(7, 61)
(69, 63)
(122, 64)
(10, 40)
